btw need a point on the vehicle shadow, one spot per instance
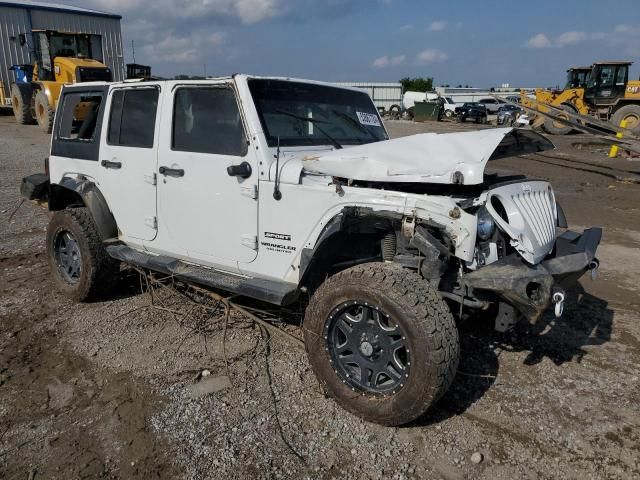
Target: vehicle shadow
(587, 321)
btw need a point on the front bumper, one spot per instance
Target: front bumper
(529, 288)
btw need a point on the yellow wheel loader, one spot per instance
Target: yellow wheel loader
(59, 58)
(605, 92)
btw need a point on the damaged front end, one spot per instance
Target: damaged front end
(481, 239)
(537, 261)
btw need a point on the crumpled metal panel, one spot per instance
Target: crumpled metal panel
(458, 157)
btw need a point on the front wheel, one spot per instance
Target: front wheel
(79, 263)
(631, 115)
(382, 342)
(44, 112)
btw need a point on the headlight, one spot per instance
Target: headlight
(486, 225)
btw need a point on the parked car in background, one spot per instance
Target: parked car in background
(449, 107)
(492, 104)
(508, 114)
(471, 110)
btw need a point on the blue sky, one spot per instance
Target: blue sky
(480, 43)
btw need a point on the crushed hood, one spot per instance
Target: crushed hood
(427, 157)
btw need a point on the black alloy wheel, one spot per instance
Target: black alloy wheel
(368, 349)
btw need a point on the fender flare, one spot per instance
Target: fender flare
(83, 192)
(341, 222)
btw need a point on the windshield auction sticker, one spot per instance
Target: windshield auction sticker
(368, 119)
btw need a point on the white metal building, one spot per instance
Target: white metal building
(22, 17)
(384, 95)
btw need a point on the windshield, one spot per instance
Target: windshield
(68, 45)
(307, 114)
(576, 78)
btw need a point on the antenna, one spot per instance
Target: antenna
(276, 187)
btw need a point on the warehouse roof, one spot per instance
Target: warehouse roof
(57, 7)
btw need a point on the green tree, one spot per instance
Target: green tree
(417, 84)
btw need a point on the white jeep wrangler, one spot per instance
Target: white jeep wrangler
(287, 190)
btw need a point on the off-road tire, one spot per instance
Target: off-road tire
(98, 270)
(418, 309)
(21, 103)
(556, 128)
(631, 113)
(44, 112)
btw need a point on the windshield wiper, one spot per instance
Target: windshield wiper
(355, 123)
(315, 122)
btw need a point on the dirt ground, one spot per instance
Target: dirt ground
(110, 389)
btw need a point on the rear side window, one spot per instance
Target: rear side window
(78, 123)
(207, 120)
(79, 116)
(132, 121)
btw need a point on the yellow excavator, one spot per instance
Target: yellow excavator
(602, 90)
(58, 59)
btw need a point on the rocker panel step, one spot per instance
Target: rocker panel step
(278, 293)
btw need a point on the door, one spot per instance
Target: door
(128, 154)
(208, 214)
(607, 84)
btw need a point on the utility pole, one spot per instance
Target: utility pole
(205, 70)
(133, 51)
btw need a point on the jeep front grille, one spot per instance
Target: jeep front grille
(527, 212)
(539, 212)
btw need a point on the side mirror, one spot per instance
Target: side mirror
(22, 39)
(243, 170)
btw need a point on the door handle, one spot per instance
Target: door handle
(243, 170)
(171, 172)
(108, 164)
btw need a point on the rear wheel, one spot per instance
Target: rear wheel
(44, 111)
(558, 128)
(80, 266)
(630, 113)
(21, 103)
(382, 342)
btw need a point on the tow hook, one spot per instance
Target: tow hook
(558, 300)
(594, 265)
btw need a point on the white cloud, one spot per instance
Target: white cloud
(431, 55)
(247, 11)
(437, 26)
(570, 38)
(172, 47)
(622, 29)
(406, 28)
(253, 11)
(386, 61)
(539, 41)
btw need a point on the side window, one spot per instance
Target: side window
(132, 121)
(606, 76)
(79, 116)
(207, 120)
(621, 76)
